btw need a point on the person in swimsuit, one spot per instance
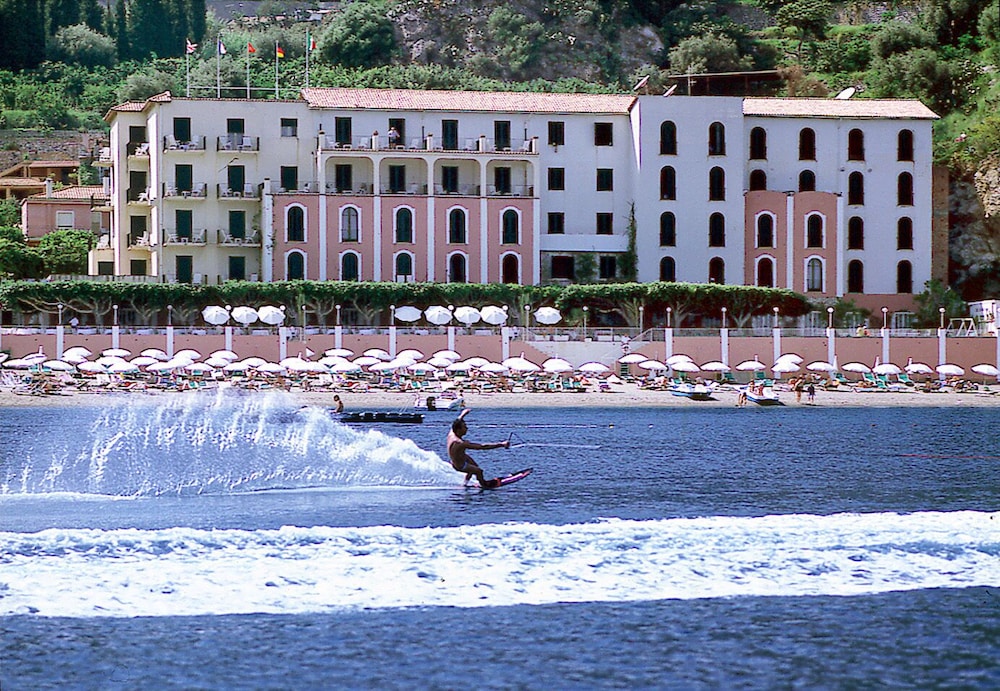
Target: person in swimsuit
(457, 447)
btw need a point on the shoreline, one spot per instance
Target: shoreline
(623, 395)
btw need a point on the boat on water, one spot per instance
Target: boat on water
(696, 392)
(443, 402)
(763, 396)
(379, 417)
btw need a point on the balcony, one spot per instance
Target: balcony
(238, 142)
(196, 236)
(512, 191)
(104, 158)
(171, 143)
(420, 145)
(137, 149)
(138, 195)
(361, 189)
(237, 240)
(250, 192)
(140, 241)
(412, 188)
(461, 190)
(199, 190)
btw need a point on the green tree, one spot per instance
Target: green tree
(516, 42)
(898, 37)
(65, 251)
(12, 234)
(935, 296)
(360, 36)
(81, 45)
(22, 34)
(60, 13)
(707, 54)
(92, 14)
(809, 19)
(920, 74)
(19, 261)
(10, 212)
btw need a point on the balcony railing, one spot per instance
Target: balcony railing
(249, 191)
(238, 142)
(138, 195)
(137, 149)
(139, 240)
(171, 143)
(412, 188)
(432, 143)
(192, 237)
(224, 237)
(199, 190)
(364, 188)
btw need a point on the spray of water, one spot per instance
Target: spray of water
(227, 442)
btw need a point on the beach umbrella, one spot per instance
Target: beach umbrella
(72, 358)
(547, 316)
(339, 352)
(684, 366)
(632, 359)
(557, 365)
(331, 360)
(213, 314)
(116, 352)
(77, 350)
(377, 353)
(271, 315)
(468, 315)
(122, 367)
(58, 366)
(593, 368)
(448, 355)
(950, 370)
(225, 355)
(458, 367)
(887, 368)
(411, 353)
(520, 364)
(918, 368)
(439, 361)
(754, 365)
(245, 315)
(477, 361)
(491, 314)
(857, 367)
(143, 361)
(494, 368)
(820, 366)
(187, 354)
(198, 368)
(784, 367)
(155, 353)
(790, 357)
(217, 362)
(91, 367)
(254, 361)
(271, 368)
(436, 314)
(290, 361)
(421, 367)
(407, 313)
(367, 360)
(986, 370)
(715, 366)
(108, 360)
(653, 365)
(674, 359)
(384, 367)
(162, 366)
(344, 367)
(236, 367)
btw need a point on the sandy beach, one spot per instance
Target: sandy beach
(624, 395)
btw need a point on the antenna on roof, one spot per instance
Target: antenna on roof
(846, 93)
(641, 83)
(670, 91)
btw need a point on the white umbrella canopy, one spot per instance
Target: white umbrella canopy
(790, 357)
(187, 354)
(339, 352)
(448, 355)
(254, 361)
(820, 366)
(213, 314)
(887, 368)
(91, 367)
(77, 350)
(674, 359)
(155, 353)
(245, 315)
(366, 360)
(122, 367)
(491, 314)
(547, 315)
(421, 367)
(108, 360)
(857, 367)
(557, 365)
(716, 366)
(236, 367)
(411, 353)
(407, 313)
(439, 362)
(20, 363)
(116, 352)
(293, 360)
(632, 359)
(58, 366)
(225, 355)
(74, 358)
(950, 370)
(344, 367)
(751, 366)
(494, 368)
(271, 315)
(685, 366)
(198, 368)
(384, 366)
(986, 370)
(468, 315)
(477, 361)
(458, 367)
(520, 364)
(143, 361)
(377, 353)
(436, 314)
(330, 360)
(653, 365)
(271, 368)
(784, 367)
(593, 368)
(918, 368)
(167, 366)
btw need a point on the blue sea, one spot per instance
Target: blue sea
(219, 541)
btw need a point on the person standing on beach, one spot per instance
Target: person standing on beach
(460, 460)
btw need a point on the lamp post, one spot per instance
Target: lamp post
(642, 312)
(668, 337)
(527, 322)
(941, 312)
(170, 315)
(59, 334)
(169, 347)
(114, 312)
(831, 338)
(885, 318)
(337, 307)
(670, 311)
(776, 337)
(885, 334)
(338, 333)
(114, 326)
(775, 317)
(829, 317)
(724, 310)
(585, 310)
(724, 339)
(60, 306)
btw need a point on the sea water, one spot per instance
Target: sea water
(219, 541)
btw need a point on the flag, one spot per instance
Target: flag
(279, 51)
(222, 47)
(191, 47)
(312, 44)
(250, 48)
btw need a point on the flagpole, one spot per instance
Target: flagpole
(248, 70)
(218, 66)
(187, 71)
(308, 50)
(276, 70)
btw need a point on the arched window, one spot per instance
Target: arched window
(814, 231)
(758, 180)
(668, 183)
(668, 229)
(510, 268)
(716, 185)
(855, 145)
(349, 224)
(295, 224)
(814, 275)
(456, 269)
(765, 272)
(716, 270)
(404, 266)
(765, 231)
(510, 234)
(904, 277)
(668, 269)
(716, 230)
(404, 225)
(349, 267)
(904, 234)
(295, 267)
(807, 181)
(904, 145)
(758, 144)
(855, 277)
(456, 227)
(904, 189)
(855, 233)
(668, 138)
(716, 139)
(807, 144)
(856, 189)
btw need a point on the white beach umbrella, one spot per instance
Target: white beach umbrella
(411, 353)
(407, 313)
(918, 368)
(654, 365)
(632, 359)
(439, 361)
(790, 357)
(521, 364)
(384, 367)
(271, 368)
(715, 366)
(72, 358)
(236, 367)
(754, 365)
(339, 352)
(467, 315)
(198, 368)
(108, 360)
(213, 314)
(245, 315)
(366, 361)
(491, 314)
(421, 367)
(58, 366)
(122, 367)
(156, 353)
(494, 368)
(820, 366)
(377, 353)
(331, 360)
(593, 368)
(950, 370)
(557, 365)
(20, 363)
(345, 367)
(887, 368)
(685, 366)
(436, 314)
(187, 354)
(448, 355)
(143, 361)
(77, 350)
(857, 367)
(91, 367)
(674, 359)
(116, 352)
(225, 355)
(254, 361)
(986, 370)
(476, 361)
(784, 367)
(290, 361)
(547, 315)
(458, 367)
(271, 315)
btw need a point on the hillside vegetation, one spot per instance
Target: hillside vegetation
(943, 52)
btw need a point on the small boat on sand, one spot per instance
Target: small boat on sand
(696, 392)
(763, 396)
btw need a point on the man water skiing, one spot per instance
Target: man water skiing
(460, 460)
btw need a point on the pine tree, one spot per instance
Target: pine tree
(60, 13)
(92, 15)
(22, 34)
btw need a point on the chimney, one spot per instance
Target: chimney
(48, 187)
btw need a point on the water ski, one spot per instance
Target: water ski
(499, 482)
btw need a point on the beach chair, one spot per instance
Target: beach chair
(840, 378)
(904, 379)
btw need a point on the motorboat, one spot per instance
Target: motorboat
(763, 396)
(696, 392)
(379, 417)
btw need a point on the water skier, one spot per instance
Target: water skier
(460, 460)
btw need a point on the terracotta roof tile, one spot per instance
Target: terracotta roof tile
(862, 108)
(85, 192)
(467, 101)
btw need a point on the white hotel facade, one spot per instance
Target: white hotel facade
(830, 198)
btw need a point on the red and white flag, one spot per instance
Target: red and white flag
(250, 48)
(191, 47)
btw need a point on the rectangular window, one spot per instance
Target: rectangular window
(563, 267)
(605, 179)
(501, 134)
(605, 221)
(607, 267)
(184, 177)
(557, 223)
(557, 133)
(603, 134)
(343, 175)
(237, 268)
(289, 127)
(289, 178)
(184, 268)
(182, 129)
(184, 224)
(236, 179)
(449, 179)
(557, 178)
(342, 131)
(235, 126)
(137, 267)
(501, 179)
(105, 268)
(449, 134)
(399, 125)
(397, 179)
(238, 225)
(136, 229)
(64, 219)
